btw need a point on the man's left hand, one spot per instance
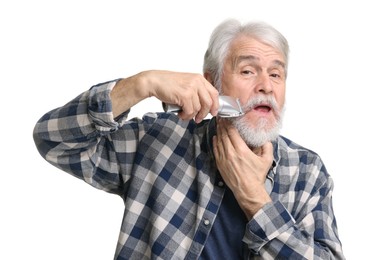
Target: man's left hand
(244, 170)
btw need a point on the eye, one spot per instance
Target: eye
(246, 72)
(275, 75)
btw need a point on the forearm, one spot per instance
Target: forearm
(252, 204)
(192, 92)
(70, 137)
(128, 92)
(273, 231)
(82, 117)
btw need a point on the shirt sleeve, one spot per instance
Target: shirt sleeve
(82, 138)
(275, 232)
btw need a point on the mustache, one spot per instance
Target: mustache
(261, 100)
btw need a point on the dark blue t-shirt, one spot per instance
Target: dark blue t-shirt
(225, 239)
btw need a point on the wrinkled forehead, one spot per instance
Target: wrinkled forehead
(246, 49)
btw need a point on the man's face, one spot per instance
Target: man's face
(255, 70)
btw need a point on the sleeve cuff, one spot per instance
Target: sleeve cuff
(100, 108)
(270, 221)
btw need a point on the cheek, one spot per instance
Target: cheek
(231, 86)
(230, 90)
(280, 98)
(281, 102)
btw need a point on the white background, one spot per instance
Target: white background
(53, 50)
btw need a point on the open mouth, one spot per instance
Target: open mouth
(265, 108)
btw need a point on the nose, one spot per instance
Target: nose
(264, 85)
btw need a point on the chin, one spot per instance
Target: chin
(255, 136)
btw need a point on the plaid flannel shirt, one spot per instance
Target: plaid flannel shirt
(163, 169)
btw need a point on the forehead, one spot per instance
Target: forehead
(246, 46)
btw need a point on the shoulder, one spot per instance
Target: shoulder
(293, 155)
(285, 146)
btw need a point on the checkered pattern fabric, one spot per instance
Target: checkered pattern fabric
(162, 168)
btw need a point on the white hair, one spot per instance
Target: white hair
(229, 30)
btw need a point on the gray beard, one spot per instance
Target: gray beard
(259, 135)
(263, 132)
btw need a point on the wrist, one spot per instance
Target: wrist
(252, 204)
(126, 93)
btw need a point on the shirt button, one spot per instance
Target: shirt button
(220, 183)
(206, 222)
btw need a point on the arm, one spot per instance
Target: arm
(83, 137)
(307, 231)
(77, 138)
(192, 92)
(234, 159)
(309, 234)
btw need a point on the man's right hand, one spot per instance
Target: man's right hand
(192, 92)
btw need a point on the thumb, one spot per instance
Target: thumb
(267, 151)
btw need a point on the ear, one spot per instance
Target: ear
(209, 78)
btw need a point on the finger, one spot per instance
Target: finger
(215, 147)
(190, 107)
(223, 138)
(209, 101)
(196, 105)
(214, 94)
(267, 151)
(233, 135)
(218, 150)
(206, 103)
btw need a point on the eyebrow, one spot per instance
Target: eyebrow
(253, 59)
